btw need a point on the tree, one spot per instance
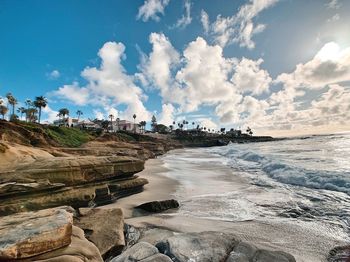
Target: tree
(3, 110)
(28, 103)
(31, 114)
(222, 130)
(63, 112)
(111, 117)
(142, 125)
(162, 129)
(105, 124)
(40, 102)
(249, 131)
(21, 110)
(12, 101)
(134, 117)
(154, 123)
(79, 113)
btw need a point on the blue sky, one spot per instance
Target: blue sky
(279, 66)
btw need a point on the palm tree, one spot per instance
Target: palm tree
(63, 112)
(31, 114)
(79, 113)
(40, 102)
(28, 103)
(249, 131)
(21, 110)
(3, 110)
(134, 117)
(12, 101)
(111, 117)
(193, 123)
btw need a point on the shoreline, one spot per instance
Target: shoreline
(299, 239)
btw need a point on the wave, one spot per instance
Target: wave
(289, 174)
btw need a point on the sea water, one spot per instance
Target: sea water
(304, 180)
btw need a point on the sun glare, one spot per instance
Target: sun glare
(330, 51)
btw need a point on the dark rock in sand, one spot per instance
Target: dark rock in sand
(157, 258)
(242, 252)
(131, 235)
(273, 256)
(159, 206)
(104, 227)
(137, 252)
(204, 246)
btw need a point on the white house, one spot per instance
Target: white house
(125, 125)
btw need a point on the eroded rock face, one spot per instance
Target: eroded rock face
(80, 250)
(103, 227)
(75, 170)
(28, 234)
(204, 247)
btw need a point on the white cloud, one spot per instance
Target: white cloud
(54, 74)
(108, 84)
(205, 21)
(239, 28)
(333, 4)
(334, 18)
(330, 65)
(249, 78)
(168, 114)
(73, 93)
(49, 115)
(208, 123)
(151, 9)
(186, 19)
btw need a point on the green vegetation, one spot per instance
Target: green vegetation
(66, 136)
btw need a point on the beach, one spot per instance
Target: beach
(199, 181)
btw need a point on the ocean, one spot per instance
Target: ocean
(301, 181)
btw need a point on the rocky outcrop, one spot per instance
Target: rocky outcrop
(339, 254)
(142, 252)
(79, 250)
(159, 206)
(205, 246)
(104, 228)
(28, 234)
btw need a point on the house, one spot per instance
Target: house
(125, 125)
(68, 121)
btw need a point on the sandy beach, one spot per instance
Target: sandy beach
(307, 241)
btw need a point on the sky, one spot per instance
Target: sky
(281, 67)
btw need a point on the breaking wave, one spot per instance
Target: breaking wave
(320, 162)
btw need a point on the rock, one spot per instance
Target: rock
(159, 206)
(155, 235)
(104, 228)
(137, 252)
(80, 250)
(272, 256)
(131, 235)
(28, 234)
(102, 196)
(157, 258)
(204, 247)
(237, 257)
(35, 186)
(245, 249)
(75, 170)
(339, 254)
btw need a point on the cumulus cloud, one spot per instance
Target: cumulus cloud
(205, 21)
(239, 28)
(49, 115)
(333, 4)
(108, 84)
(201, 76)
(53, 74)
(186, 19)
(330, 65)
(168, 114)
(151, 9)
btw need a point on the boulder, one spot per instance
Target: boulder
(80, 250)
(159, 206)
(103, 227)
(204, 246)
(273, 256)
(157, 258)
(339, 253)
(32, 233)
(155, 235)
(242, 252)
(137, 252)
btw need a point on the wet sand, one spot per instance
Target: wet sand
(307, 241)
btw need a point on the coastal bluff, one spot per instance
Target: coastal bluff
(44, 167)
